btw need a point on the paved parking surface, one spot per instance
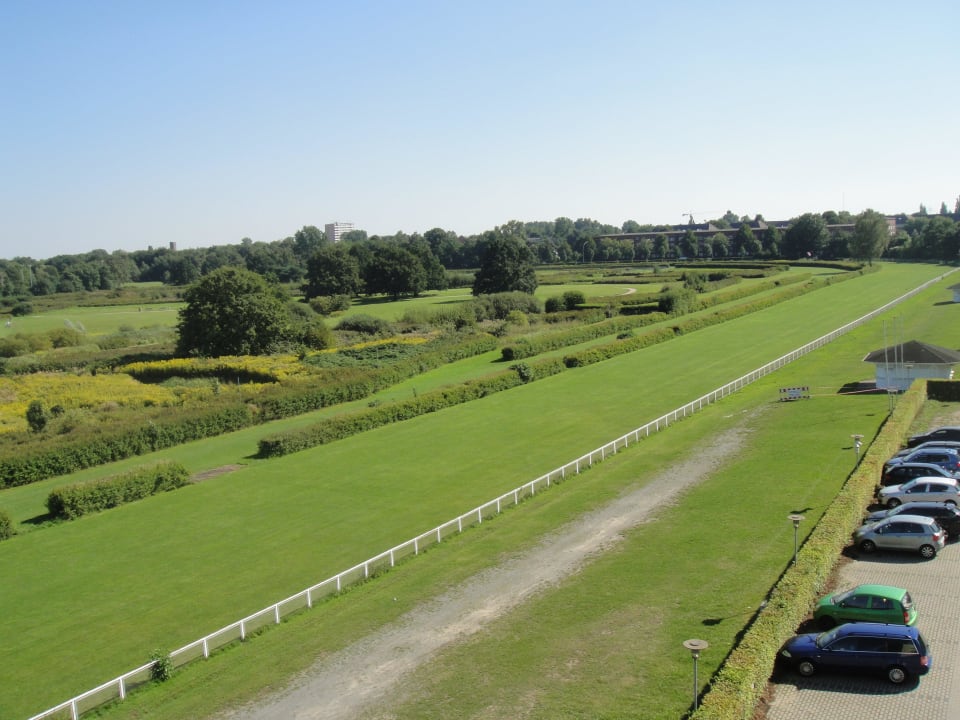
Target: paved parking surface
(935, 587)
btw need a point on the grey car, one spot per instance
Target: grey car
(906, 533)
(931, 489)
(955, 444)
(947, 458)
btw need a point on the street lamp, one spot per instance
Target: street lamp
(857, 443)
(695, 646)
(796, 526)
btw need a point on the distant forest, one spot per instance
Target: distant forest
(827, 235)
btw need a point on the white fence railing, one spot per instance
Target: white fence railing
(119, 687)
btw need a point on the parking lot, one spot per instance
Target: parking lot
(935, 587)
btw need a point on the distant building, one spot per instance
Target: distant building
(899, 365)
(336, 230)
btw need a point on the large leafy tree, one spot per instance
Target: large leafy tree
(806, 237)
(394, 270)
(232, 311)
(506, 265)
(871, 235)
(332, 270)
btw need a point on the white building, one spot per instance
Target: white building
(335, 231)
(899, 365)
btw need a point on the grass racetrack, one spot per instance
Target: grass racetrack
(93, 598)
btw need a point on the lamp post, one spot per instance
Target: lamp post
(695, 646)
(796, 526)
(857, 443)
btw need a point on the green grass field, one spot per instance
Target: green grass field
(94, 597)
(95, 320)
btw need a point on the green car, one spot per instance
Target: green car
(866, 603)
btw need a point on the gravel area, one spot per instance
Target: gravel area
(359, 678)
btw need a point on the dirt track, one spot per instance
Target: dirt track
(358, 678)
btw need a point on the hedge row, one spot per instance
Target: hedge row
(294, 397)
(343, 426)
(652, 337)
(943, 390)
(740, 682)
(64, 458)
(72, 501)
(528, 347)
(299, 396)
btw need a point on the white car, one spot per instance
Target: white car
(932, 489)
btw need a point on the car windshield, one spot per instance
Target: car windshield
(825, 638)
(840, 597)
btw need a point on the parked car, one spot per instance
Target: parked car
(909, 533)
(935, 489)
(898, 474)
(949, 432)
(947, 515)
(866, 603)
(930, 444)
(947, 458)
(897, 651)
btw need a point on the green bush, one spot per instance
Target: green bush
(6, 526)
(72, 501)
(365, 324)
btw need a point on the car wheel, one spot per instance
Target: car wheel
(896, 674)
(951, 502)
(826, 622)
(928, 551)
(892, 503)
(807, 668)
(868, 546)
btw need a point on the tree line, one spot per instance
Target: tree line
(403, 264)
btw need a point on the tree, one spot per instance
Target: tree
(506, 265)
(332, 270)
(719, 245)
(394, 271)
(943, 209)
(37, 416)
(806, 237)
(871, 235)
(232, 311)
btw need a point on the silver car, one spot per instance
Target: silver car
(933, 489)
(909, 533)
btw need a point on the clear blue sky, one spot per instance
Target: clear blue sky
(129, 123)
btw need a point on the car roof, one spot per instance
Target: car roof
(869, 628)
(918, 464)
(907, 517)
(890, 591)
(931, 478)
(924, 504)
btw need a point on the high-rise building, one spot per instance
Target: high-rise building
(335, 231)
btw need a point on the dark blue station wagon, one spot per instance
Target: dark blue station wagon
(896, 651)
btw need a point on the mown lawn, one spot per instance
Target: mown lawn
(112, 587)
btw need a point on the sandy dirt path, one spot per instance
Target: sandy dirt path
(360, 677)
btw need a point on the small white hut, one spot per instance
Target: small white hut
(956, 292)
(899, 365)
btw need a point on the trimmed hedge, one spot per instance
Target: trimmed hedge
(343, 426)
(66, 458)
(294, 397)
(72, 501)
(738, 685)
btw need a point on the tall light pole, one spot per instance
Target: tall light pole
(796, 526)
(695, 646)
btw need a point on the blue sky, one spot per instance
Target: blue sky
(133, 123)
